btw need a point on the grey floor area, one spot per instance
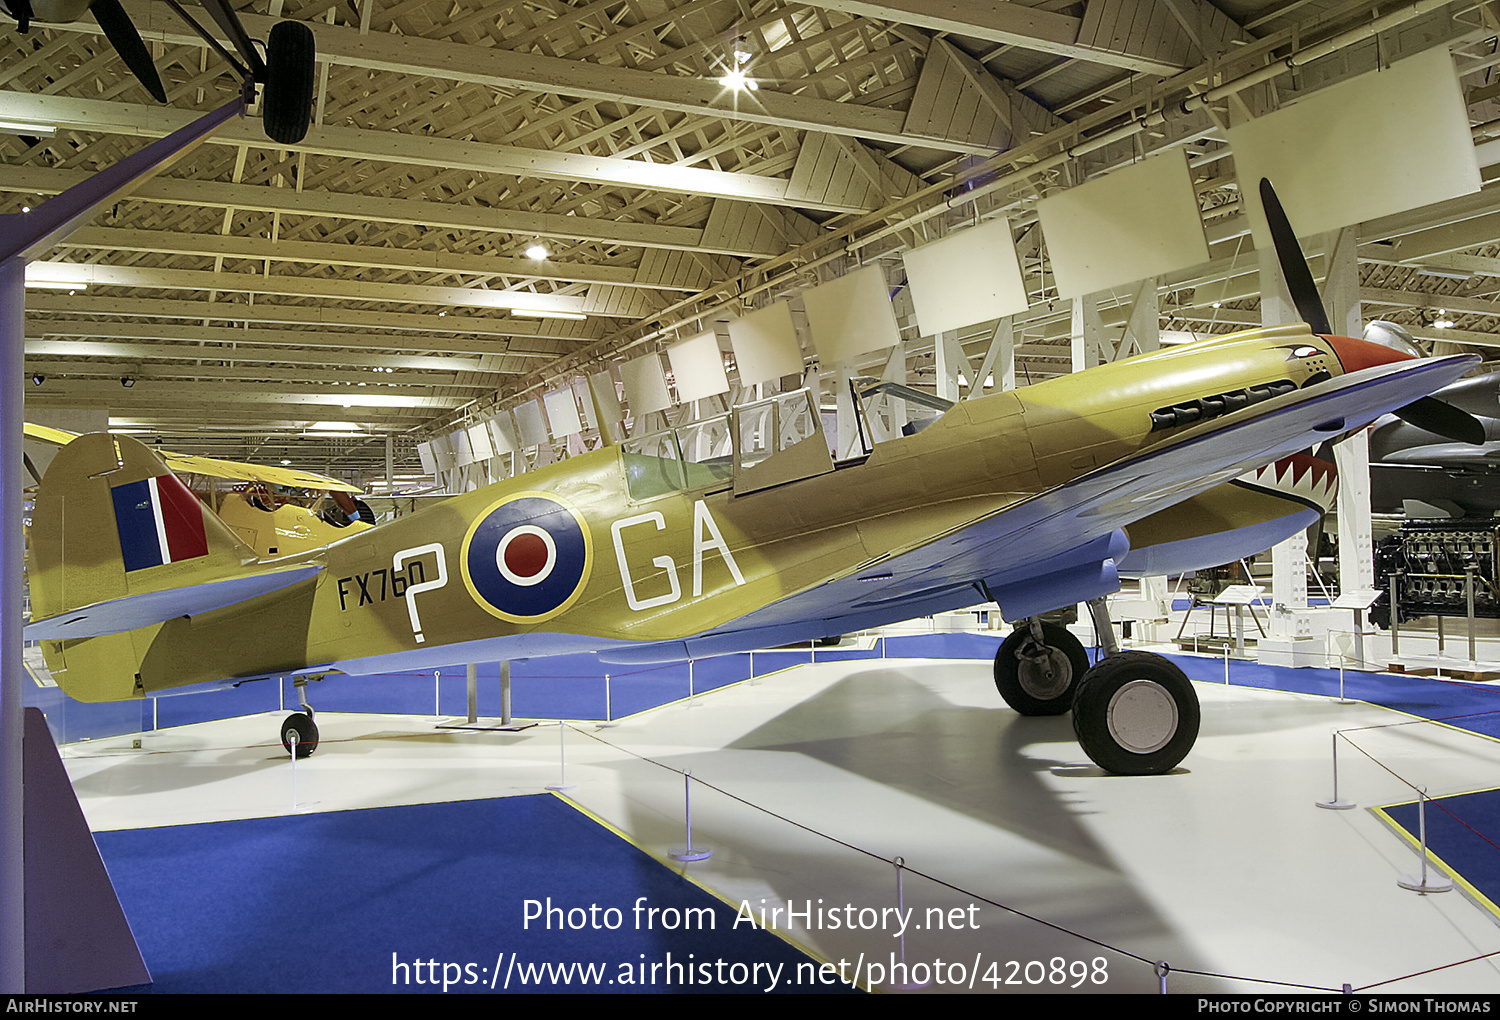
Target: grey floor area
(1026, 868)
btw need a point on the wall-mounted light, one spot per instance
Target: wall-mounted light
(127, 381)
(38, 379)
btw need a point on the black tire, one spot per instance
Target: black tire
(286, 106)
(306, 730)
(1024, 682)
(1136, 714)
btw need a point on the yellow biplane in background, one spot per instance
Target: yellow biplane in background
(270, 523)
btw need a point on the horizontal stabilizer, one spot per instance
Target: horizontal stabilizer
(133, 611)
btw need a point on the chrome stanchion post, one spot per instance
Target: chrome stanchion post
(1163, 968)
(1469, 608)
(688, 852)
(562, 761)
(1424, 883)
(900, 863)
(609, 705)
(471, 684)
(1395, 616)
(1335, 804)
(294, 770)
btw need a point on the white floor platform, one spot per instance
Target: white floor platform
(1225, 866)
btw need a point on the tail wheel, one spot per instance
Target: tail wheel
(1038, 679)
(300, 725)
(1136, 714)
(291, 53)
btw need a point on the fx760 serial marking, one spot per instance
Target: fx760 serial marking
(379, 585)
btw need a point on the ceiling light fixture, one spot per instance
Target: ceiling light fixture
(537, 313)
(55, 285)
(537, 252)
(16, 127)
(127, 381)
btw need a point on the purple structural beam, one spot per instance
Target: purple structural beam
(77, 937)
(26, 236)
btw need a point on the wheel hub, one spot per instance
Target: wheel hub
(1142, 716)
(1044, 674)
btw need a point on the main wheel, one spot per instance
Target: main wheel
(301, 724)
(1038, 679)
(1136, 714)
(286, 107)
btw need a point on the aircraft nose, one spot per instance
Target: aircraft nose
(1357, 354)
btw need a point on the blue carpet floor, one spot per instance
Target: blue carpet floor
(1464, 833)
(432, 898)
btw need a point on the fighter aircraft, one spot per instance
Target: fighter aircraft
(1026, 498)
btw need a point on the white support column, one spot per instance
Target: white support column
(1352, 455)
(895, 407)
(848, 420)
(1143, 330)
(949, 359)
(1005, 373)
(1087, 332)
(999, 360)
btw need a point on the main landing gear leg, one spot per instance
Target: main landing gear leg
(300, 723)
(1038, 666)
(1135, 713)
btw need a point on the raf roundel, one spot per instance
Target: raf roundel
(527, 558)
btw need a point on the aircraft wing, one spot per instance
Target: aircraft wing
(214, 467)
(1038, 534)
(150, 607)
(290, 477)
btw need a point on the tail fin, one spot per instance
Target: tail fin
(112, 521)
(118, 544)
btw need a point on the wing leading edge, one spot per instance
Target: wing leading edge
(1076, 525)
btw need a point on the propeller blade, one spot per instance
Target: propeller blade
(1299, 280)
(1443, 419)
(128, 43)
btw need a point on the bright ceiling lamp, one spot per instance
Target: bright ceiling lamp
(737, 81)
(537, 252)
